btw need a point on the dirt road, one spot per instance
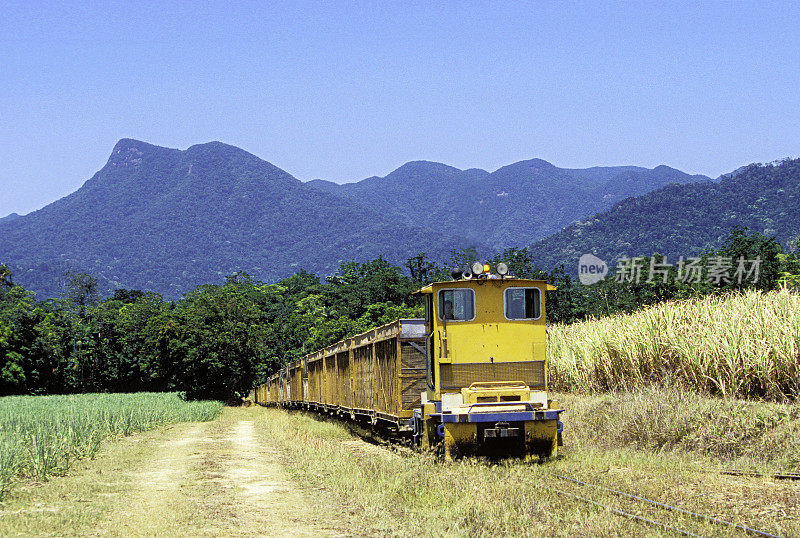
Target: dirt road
(213, 479)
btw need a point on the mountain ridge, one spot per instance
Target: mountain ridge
(523, 201)
(10, 217)
(166, 219)
(684, 220)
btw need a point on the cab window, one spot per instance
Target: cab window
(428, 312)
(457, 304)
(523, 303)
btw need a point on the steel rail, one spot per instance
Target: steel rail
(670, 507)
(626, 514)
(789, 475)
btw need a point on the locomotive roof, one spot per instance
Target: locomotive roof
(473, 282)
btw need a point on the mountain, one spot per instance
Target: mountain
(684, 220)
(167, 220)
(514, 205)
(10, 217)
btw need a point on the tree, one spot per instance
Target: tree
(12, 374)
(5, 276)
(419, 267)
(222, 334)
(749, 248)
(356, 285)
(81, 291)
(519, 262)
(127, 296)
(464, 258)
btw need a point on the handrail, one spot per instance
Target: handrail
(500, 384)
(429, 380)
(528, 405)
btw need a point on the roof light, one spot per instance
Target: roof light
(487, 268)
(477, 268)
(502, 269)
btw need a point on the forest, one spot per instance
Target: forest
(218, 340)
(686, 219)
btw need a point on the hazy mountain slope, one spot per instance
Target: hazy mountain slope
(512, 206)
(324, 185)
(421, 192)
(167, 220)
(618, 182)
(10, 217)
(684, 219)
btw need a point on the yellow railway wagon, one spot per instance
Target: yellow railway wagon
(273, 388)
(376, 376)
(388, 371)
(470, 378)
(260, 394)
(315, 373)
(344, 380)
(283, 385)
(335, 380)
(330, 380)
(296, 375)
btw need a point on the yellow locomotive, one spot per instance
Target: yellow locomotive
(469, 379)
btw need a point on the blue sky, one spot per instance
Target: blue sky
(346, 90)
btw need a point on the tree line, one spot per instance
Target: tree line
(217, 341)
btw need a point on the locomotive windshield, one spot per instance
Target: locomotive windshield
(457, 304)
(523, 303)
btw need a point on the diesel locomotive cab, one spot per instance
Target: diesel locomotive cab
(486, 366)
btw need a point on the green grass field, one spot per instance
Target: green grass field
(41, 436)
(744, 345)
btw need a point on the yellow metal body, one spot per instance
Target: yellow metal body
(483, 360)
(459, 439)
(488, 339)
(541, 437)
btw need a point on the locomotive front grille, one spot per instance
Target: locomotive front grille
(457, 376)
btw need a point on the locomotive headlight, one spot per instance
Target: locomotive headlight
(477, 268)
(502, 269)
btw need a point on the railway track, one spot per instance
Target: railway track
(653, 505)
(403, 450)
(777, 476)
(400, 447)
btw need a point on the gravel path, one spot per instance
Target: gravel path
(214, 479)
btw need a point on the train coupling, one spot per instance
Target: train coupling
(502, 429)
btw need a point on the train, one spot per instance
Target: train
(468, 379)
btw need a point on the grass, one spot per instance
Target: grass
(726, 432)
(741, 345)
(186, 479)
(625, 441)
(86, 501)
(41, 436)
(391, 494)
